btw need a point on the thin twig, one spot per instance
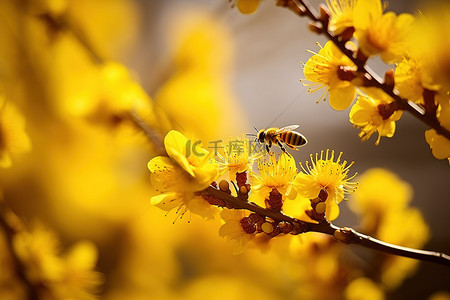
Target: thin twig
(302, 8)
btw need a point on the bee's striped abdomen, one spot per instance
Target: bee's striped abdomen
(292, 138)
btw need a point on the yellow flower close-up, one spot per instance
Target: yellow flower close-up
(187, 170)
(326, 173)
(62, 276)
(381, 33)
(379, 192)
(322, 69)
(341, 14)
(366, 114)
(273, 174)
(408, 78)
(237, 156)
(232, 229)
(440, 146)
(110, 96)
(382, 203)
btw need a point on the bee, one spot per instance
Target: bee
(285, 135)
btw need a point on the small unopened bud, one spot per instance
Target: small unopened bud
(282, 3)
(267, 227)
(389, 79)
(324, 15)
(345, 235)
(320, 207)
(340, 236)
(224, 186)
(296, 7)
(316, 27)
(243, 190)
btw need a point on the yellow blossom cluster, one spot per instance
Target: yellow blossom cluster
(382, 203)
(420, 76)
(310, 195)
(33, 264)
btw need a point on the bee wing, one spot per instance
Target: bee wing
(287, 128)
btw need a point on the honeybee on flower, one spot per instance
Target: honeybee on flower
(286, 135)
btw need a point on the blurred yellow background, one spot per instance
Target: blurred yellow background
(200, 67)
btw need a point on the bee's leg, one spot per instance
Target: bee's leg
(281, 146)
(268, 145)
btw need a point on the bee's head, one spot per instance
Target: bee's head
(261, 136)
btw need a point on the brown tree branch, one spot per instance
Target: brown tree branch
(344, 235)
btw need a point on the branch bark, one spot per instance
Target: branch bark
(345, 234)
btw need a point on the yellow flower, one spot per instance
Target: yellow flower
(109, 95)
(440, 145)
(408, 78)
(323, 69)
(38, 250)
(325, 173)
(247, 6)
(79, 280)
(197, 97)
(363, 288)
(379, 192)
(341, 14)
(188, 169)
(64, 277)
(232, 228)
(368, 114)
(13, 138)
(237, 156)
(429, 29)
(378, 33)
(441, 295)
(381, 201)
(404, 228)
(273, 175)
